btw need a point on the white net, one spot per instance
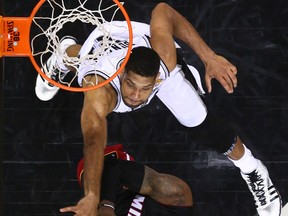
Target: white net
(51, 25)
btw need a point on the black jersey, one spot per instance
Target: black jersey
(132, 204)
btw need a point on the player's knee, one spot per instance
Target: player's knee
(216, 134)
(193, 119)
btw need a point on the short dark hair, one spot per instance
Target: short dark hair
(144, 62)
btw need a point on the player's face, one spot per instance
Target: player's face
(136, 89)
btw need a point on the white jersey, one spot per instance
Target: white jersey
(172, 88)
(106, 66)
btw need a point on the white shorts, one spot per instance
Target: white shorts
(181, 98)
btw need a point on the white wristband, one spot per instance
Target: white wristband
(107, 205)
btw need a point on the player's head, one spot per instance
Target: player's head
(143, 61)
(141, 72)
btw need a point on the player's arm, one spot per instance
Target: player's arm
(97, 105)
(167, 23)
(165, 189)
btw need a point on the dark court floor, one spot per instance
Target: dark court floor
(42, 142)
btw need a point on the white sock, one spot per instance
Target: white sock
(248, 163)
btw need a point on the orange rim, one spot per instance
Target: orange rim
(81, 89)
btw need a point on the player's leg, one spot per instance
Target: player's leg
(175, 92)
(55, 69)
(254, 172)
(72, 51)
(224, 139)
(181, 99)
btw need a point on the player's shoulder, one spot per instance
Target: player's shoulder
(102, 96)
(138, 28)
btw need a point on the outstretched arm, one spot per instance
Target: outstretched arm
(97, 105)
(167, 23)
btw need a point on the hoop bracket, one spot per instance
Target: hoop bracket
(14, 36)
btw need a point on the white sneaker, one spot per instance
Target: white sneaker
(43, 89)
(267, 198)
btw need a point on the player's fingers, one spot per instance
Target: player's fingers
(226, 82)
(208, 83)
(233, 69)
(69, 209)
(232, 76)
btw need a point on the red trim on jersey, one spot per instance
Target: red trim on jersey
(117, 149)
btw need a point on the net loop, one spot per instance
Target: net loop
(51, 26)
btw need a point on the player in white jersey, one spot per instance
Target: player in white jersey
(169, 80)
(141, 80)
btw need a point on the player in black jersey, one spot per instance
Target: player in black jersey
(130, 188)
(146, 192)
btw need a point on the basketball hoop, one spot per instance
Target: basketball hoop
(15, 39)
